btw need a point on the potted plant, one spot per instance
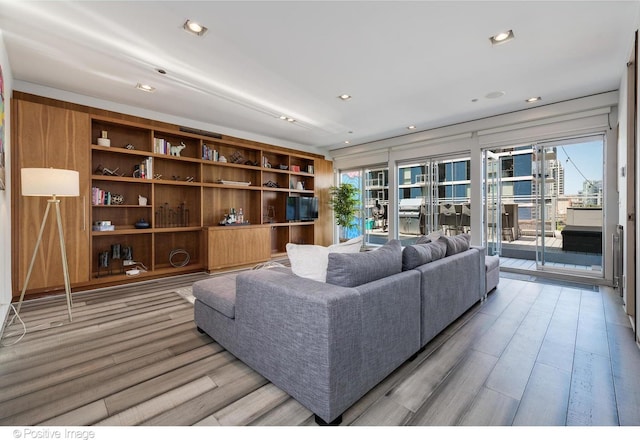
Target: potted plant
(344, 200)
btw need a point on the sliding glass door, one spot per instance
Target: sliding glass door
(543, 205)
(568, 187)
(434, 195)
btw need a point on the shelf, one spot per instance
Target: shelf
(175, 182)
(177, 229)
(121, 150)
(221, 185)
(128, 231)
(121, 206)
(105, 178)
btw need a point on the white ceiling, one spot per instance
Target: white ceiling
(405, 63)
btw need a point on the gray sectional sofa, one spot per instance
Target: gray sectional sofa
(329, 343)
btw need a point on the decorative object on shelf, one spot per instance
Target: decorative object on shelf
(234, 182)
(179, 263)
(252, 163)
(310, 169)
(271, 214)
(103, 140)
(265, 162)
(233, 218)
(117, 199)
(282, 167)
(107, 172)
(176, 149)
(222, 159)
(103, 225)
(170, 218)
(300, 185)
(100, 197)
(236, 157)
(271, 184)
(142, 200)
(127, 253)
(116, 255)
(344, 200)
(209, 153)
(142, 224)
(103, 263)
(295, 168)
(129, 147)
(53, 183)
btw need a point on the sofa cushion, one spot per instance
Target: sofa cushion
(219, 293)
(310, 261)
(350, 270)
(418, 254)
(456, 243)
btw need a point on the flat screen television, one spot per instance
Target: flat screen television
(302, 209)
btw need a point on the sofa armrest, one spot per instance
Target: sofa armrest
(483, 280)
(302, 335)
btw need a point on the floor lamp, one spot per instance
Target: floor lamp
(53, 183)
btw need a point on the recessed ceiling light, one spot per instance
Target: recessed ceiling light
(347, 142)
(145, 87)
(494, 95)
(533, 99)
(474, 100)
(161, 71)
(345, 97)
(194, 28)
(287, 118)
(411, 127)
(502, 37)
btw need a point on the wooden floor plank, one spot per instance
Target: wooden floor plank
(64, 368)
(289, 413)
(159, 404)
(490, 408)
(592, 399)
(149, 389)
(453, 398)
(247, 409)
(545, 398)
(514, 367)
(203, 406)
(98, 391)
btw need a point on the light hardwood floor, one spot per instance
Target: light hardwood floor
(535, 353)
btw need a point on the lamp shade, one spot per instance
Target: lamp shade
(50, 182)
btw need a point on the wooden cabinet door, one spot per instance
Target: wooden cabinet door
(44, 137)
(230, 246)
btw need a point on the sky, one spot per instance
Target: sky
(585, 158)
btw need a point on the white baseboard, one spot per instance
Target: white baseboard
(4, 313)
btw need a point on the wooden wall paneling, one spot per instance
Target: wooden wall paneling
(51, 137)
(323, 180)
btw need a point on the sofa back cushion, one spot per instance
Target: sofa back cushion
(418, 254)
(456, 243)
(310, 261)
(350, 270)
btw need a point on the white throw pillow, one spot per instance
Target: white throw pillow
(347, 247)
(310, 261)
